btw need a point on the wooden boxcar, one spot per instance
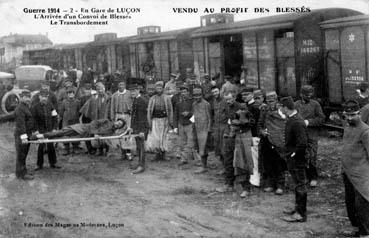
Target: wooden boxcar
(280, 52)
(158, 54)
(346, 55)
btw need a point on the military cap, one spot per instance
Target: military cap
(67, 80)
(271, 95)
(133, 86)
(258, 93)
(288, 102)
(159, 83)
(44, 93)
(25, 93)
(184, 86)
(100, 84)
(173, 75)
(227, 77)
(306, 89)
(351, 107)
(197, 91)
(247, 90)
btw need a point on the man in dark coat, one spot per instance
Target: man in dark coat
(271, 128)
(313, 116)
(218, 108)
(139, 125)
(69, 114)
(355, 166)
(24, 125)
(296, 143)
(229, 138)
(45, 118)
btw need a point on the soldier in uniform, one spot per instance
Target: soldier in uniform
(24, 125)
(355, 164)
(45, 118)
(182, 108)
(312, 113)
(139, 124)
(218, 108)
(202, 115)
(271, 129)
(295, 148)
(69, 114)
(229, 142)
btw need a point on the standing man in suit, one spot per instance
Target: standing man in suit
(295, 146)
(45, 117)
(23, 128)
(139, 124)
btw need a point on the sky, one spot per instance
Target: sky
(152, 12)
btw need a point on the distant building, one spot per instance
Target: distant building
(13, 45)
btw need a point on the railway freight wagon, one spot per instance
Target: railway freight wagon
(346, 54)
(279, 52)
(51, 56)
(156, 54)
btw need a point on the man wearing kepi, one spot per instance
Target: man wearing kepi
(181, 120)
(296, 143)
(139, 125)
(271, 128)
(312, 113)
(23, 128)
(355, 164)
(160, 118)
(45, 118)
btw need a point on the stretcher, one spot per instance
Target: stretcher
(123, 136)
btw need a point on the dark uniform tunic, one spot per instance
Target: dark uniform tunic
(24, 124)
(272, 145)
(139, 124)
(296, 143)
(45, 122)
(311, 111)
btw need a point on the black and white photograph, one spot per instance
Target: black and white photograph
(163, 118)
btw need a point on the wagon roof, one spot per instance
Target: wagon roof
(272, 22)
(346, 21)
(166, 35)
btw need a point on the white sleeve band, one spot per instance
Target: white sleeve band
(24, 137)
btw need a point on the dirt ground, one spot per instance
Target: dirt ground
(99, 197)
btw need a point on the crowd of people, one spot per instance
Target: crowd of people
(251, 132)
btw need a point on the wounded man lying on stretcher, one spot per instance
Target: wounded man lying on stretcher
(96, 127)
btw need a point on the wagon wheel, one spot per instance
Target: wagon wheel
(9, 102)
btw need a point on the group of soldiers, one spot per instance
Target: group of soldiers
(249, 130)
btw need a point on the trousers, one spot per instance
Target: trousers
(50, 152)
(140, 151)
(357, 207)
(297, 169)
(274, 166)
(21, 153)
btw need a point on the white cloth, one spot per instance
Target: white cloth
(255, 177)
